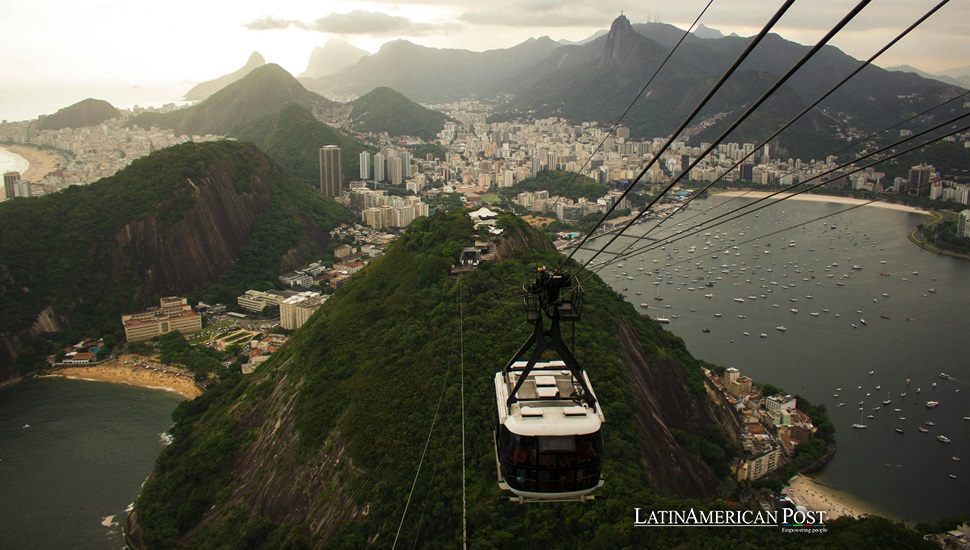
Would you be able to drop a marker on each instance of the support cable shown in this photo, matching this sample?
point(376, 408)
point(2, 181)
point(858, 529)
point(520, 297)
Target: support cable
point(797, 117)
point(717, 86)
point(744, 116)
point(703, 227)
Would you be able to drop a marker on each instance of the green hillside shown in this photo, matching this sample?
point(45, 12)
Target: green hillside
point(320, 447)
point(385, 110)
point(293, 138)
point(265, 90)
point(209, 220)
point(89, 112)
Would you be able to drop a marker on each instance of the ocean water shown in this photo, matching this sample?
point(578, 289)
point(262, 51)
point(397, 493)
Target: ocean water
point(73, 456)
point(910, 333)
point(25, 102)
point(12, 162)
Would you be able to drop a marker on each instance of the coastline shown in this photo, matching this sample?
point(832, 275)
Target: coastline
point(127, 370)
point(39, 163)
point(822, 198)
point(805, 491)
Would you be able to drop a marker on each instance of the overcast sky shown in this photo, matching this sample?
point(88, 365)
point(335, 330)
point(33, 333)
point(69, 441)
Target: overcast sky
point(58, 42)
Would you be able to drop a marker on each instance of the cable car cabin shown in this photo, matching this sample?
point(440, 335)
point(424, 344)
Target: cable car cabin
point(549, 445)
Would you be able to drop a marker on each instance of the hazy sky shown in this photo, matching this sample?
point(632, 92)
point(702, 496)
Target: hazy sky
point(61, 42)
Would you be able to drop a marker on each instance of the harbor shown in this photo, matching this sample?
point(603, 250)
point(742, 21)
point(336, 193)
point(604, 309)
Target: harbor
point(841, 310)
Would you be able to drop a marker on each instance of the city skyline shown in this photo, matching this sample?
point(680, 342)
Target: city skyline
point(84, 44)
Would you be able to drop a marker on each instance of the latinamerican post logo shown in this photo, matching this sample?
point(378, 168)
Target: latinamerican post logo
point(787, 519)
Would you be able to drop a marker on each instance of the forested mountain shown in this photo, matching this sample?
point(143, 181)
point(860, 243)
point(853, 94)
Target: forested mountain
point(293, 138)
point(263, 91)
point(597, 81)
point(209, 220)
point(320, 446)
point(88, 112)
point(386, 110)
point(203, 90)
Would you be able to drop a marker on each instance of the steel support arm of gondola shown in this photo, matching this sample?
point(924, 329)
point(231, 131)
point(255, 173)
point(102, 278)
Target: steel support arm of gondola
point(543, 340)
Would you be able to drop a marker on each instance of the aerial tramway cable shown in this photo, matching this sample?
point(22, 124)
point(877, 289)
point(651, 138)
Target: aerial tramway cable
point(748, 208)
point(637, 98)
point(717, 86)
point(751, 109)
point(807, 109)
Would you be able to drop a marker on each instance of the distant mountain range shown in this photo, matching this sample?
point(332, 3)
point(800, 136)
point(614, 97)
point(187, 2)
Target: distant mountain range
point(332, 57)
point(590, 81)
point(429, 75)
point(597, 81)
point(957, 77)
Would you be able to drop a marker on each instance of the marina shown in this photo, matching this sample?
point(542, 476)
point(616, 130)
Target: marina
point(879, 326)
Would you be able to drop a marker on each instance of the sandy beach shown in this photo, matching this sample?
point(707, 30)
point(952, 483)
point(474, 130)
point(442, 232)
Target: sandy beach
point(119, 372)
point(822, 198)
point(40, 162)
point(807, 492)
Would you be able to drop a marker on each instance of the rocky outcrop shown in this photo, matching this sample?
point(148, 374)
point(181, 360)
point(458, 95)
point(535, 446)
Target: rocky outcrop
point(196, 250)
point(663, 404)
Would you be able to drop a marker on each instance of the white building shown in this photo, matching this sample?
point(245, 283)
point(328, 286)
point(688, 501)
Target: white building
point(295, 310)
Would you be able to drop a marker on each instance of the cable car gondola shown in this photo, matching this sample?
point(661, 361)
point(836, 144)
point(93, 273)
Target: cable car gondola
point(548, 437)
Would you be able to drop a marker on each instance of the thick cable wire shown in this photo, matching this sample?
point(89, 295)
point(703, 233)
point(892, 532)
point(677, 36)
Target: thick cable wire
point(709, 225)
point(797, 117)
point(744, 116)
point(635, 99)
point(717, 86)
point(603, 284)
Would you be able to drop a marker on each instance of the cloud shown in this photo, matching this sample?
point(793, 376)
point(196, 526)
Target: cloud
point(544, 13)
point(270, 23)
point(355, 22)
point(368, 22)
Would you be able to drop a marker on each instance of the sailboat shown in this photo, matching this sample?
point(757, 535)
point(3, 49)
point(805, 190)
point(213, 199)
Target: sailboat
point(860, 425)
point(884, 268)
point(658, 297)
point(888, 400)
point(899, 428)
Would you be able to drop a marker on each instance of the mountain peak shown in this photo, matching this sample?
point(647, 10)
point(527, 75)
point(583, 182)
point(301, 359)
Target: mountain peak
point(621, 23)
point(620, 38)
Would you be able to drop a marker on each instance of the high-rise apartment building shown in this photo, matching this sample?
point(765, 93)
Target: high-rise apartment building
point(919, 180)
point(365, 170)
point(11, 180)
point(379, 167)
point(331, 174)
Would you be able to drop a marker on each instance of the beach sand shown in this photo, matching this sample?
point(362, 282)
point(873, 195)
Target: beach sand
point(807, 492)
point(40, 162)
point(119, 372)
point(821, 198)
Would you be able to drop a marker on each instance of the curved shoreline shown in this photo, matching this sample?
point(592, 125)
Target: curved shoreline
point(822, 198)
point(135, 372)
point(40, 163)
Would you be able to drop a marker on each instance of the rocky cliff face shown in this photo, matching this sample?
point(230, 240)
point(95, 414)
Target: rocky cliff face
point(664, 405)
point(193, 252)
